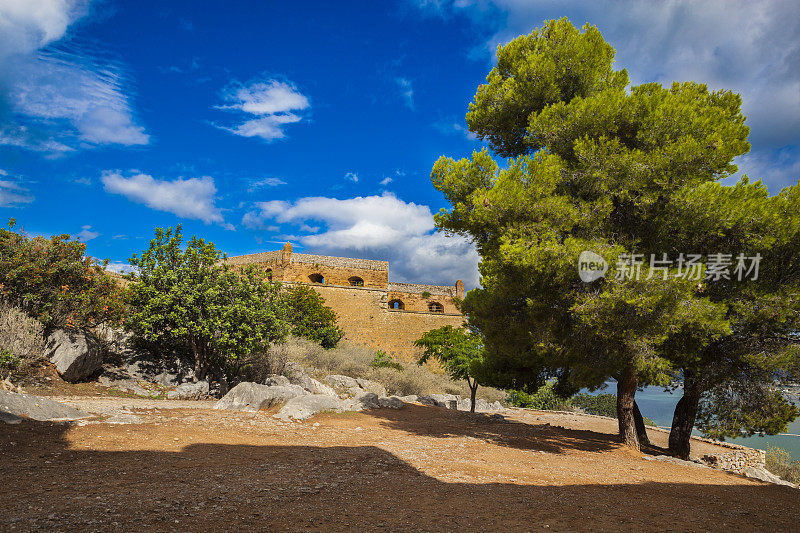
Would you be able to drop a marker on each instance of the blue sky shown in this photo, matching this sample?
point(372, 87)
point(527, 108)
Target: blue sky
point(253, 123)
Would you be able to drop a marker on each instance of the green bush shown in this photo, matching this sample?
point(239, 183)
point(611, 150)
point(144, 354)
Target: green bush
point(54, 281)
point(780, 463)
point(384, 360)
point(8, 364)
point(544, 399)
point(310, 318)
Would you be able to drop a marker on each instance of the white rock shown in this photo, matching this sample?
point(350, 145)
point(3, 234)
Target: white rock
point(249, 396)
point(189, 391)
point(303, 407)
point(75, 355)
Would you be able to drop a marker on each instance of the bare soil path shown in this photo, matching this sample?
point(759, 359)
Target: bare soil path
point(187, 467)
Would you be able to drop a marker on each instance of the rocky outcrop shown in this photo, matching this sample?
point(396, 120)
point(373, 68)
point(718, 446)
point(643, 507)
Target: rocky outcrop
point(451, 401)
point(762, 474)
point(306, 406)
point(249, 396)
point(190, 391)
point(14, 406)
point(355, 386)
point(77, 356)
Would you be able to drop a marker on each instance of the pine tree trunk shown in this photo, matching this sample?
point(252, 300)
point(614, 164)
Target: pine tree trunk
point(473, 389)
point(626, 393)
point(641, 429)
point(684, 417)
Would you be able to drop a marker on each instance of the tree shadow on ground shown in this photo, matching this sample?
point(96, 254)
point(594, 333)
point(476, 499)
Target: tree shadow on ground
point(444, 423)
point(45, 484)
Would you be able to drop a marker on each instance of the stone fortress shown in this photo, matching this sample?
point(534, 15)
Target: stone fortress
point(371, 310)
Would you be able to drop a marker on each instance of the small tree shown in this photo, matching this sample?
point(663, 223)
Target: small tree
point(460, 352)
point(191, 300)
point(310, 318)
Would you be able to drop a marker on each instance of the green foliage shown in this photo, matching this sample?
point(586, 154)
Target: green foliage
point(457, 350)
point(189, 300)
point(616, 170)
point(384, 360)
point(425, 294)
point(780, 463)
point(737, 408)
point(8, 363)
point(544, 399)
point(547, 398)
point(54, 281)
point(553, 64)
point(310, 318)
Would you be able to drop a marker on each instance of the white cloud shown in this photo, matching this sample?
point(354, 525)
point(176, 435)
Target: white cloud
point(192, 198)
point(120, 268)
point(377, 227)
point(13, 194)
point(386, 181)
point(86, 234)
point(453, 127)
point(264, 182)
point(406, 91)
point(274, 104)
point(351, 176)
point(57, 96)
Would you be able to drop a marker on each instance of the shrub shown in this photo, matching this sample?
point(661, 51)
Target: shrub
point(544, 399)
point(54, 281)
point(257, 366)
point(310, 318)
point(384, 360)
point(8, 364)
point(780, 463)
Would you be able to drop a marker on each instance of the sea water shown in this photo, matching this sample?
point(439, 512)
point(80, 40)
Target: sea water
point(659, 405)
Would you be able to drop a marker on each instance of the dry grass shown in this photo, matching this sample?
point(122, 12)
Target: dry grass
point(22, 336)
point(780, 463)
point(356, 361)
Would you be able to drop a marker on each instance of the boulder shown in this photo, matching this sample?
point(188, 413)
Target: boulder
point(337, 381)
point(302, 407)
point(391, 402)
point(124, 382)
point(439, 400)
point(276, 379)
point(320, 388)
point(411, 398)
point(762, 474)
point(76, 355)
point(17, 405)
point(371, 386)
point(249, 396)
point(190, 391)
point(367, 400)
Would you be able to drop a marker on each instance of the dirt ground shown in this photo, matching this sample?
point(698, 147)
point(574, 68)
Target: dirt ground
point(420, 468)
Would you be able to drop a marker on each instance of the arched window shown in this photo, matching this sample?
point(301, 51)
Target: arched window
point(316, 278)
point(355, 281)
point(396, 304)
point(435, 307)
point(269, 274)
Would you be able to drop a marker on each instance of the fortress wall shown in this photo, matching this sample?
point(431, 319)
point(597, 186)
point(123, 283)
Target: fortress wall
point(415, 302)
point(299, 272)
point(366, 320)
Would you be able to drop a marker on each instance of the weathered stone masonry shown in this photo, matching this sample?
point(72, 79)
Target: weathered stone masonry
point(371, 310)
